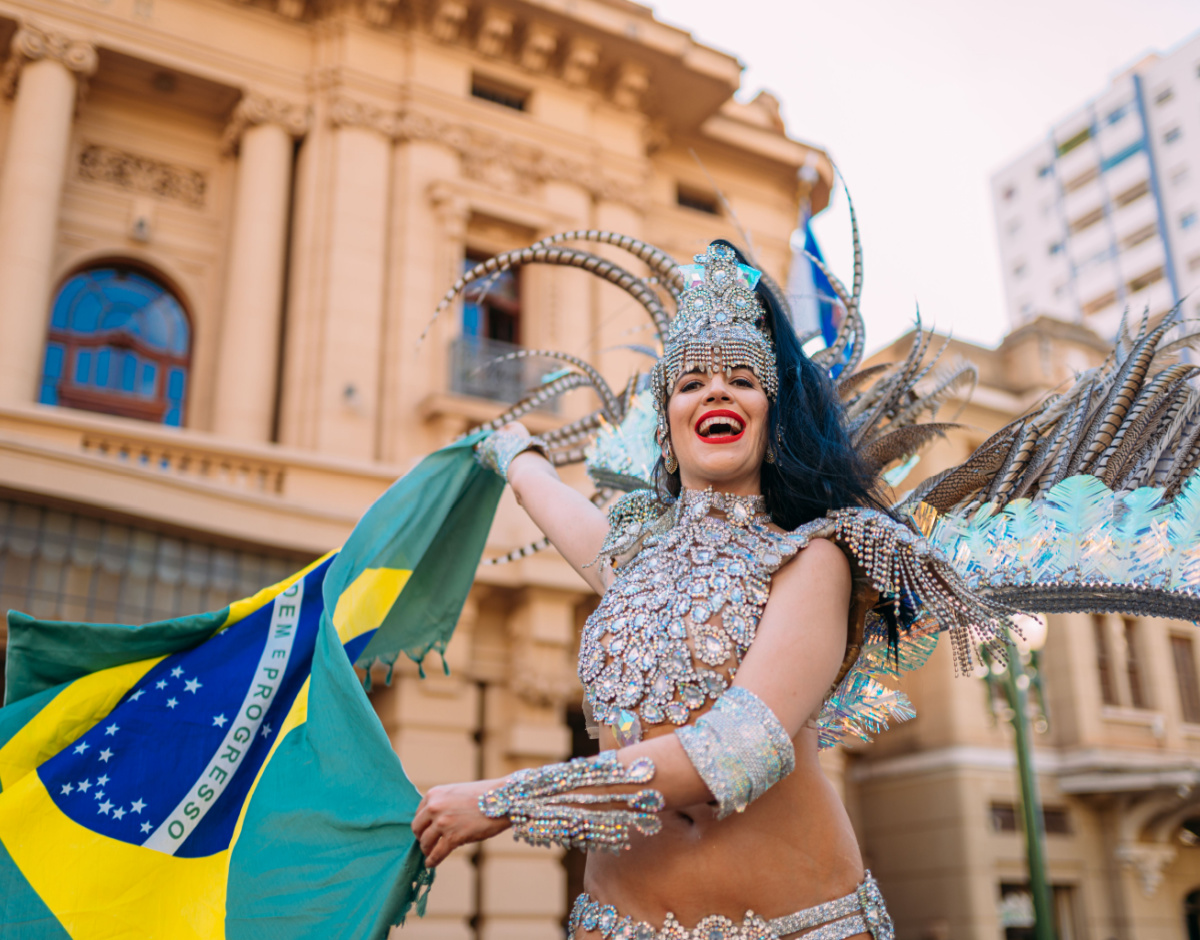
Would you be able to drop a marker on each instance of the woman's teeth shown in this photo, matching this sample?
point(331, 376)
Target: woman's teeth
point(721, 426)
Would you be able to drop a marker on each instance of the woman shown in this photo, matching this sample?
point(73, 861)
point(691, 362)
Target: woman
point(719, 634)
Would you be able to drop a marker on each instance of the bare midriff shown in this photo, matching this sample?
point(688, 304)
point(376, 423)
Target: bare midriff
point(791, 849)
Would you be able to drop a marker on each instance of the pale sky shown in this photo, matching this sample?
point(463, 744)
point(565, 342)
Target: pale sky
point(919, 102)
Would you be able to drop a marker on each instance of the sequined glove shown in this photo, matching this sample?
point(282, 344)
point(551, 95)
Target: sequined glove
point(544, 809)
point(497, 450)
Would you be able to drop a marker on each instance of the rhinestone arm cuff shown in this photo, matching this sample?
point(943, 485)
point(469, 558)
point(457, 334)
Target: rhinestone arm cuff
point(740, 749)
point(497, 450)
point(544, 809)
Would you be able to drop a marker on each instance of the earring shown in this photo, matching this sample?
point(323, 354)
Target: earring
point(770, 455)
point(668, 456)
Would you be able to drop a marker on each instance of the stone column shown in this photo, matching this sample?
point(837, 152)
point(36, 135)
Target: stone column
point(262, 132)
point(44, 71)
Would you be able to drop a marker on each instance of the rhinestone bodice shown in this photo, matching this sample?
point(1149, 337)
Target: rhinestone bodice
point(700, 577)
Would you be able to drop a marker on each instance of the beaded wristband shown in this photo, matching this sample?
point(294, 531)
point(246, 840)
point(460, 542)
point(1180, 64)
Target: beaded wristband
point(543, 809)
point(497, 450)
point(740, 749)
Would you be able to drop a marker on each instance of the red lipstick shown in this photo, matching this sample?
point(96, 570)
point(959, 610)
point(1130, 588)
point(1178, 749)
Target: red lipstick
point(723, 438)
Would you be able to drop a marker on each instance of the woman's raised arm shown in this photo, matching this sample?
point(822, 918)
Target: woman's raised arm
point(572, 523)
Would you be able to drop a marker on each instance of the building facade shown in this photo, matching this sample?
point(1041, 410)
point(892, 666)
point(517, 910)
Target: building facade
point(1102, 214)
point(936, 800)
point(224, 229)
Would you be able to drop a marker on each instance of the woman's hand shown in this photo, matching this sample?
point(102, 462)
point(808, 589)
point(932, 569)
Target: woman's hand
point(449, 816)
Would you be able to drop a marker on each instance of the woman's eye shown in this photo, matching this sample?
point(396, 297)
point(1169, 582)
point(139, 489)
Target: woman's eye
point(690, 386)
point(744, 383)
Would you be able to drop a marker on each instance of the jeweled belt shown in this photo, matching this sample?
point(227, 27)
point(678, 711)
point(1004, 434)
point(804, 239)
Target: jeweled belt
point(863, 911)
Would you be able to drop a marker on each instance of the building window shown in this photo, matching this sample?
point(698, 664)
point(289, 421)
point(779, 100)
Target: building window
point(1179, 176)
point(696, 199)
point(1108, 688)
point(1188, 219)
point(508, 96)
point(1019, 270)
point(1122, 155)
point(1086, 221)
point(491, 306)
point(119, 343)
point(1193, 264)
point(1072, 142)
point(1172, 135)
point(1132, 194)
point(1133, 666)
point(1081, 180)
point(1141, 235)
point(1056, 248)
point(1145, 280)
point(1164, 96)
point(1045, 170)
point(1100, 303)
point(1116, 114)
point(1184, 655)
point(1055, 819)
point(1191, 904)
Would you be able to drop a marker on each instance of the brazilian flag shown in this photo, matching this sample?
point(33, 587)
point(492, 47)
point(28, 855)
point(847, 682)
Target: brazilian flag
point(223, 775)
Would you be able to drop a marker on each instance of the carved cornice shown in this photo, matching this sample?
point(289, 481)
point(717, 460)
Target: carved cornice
point(347, 112)
point(33, 43)
point(255, 109)
point(143, 175)
point(1147, 862)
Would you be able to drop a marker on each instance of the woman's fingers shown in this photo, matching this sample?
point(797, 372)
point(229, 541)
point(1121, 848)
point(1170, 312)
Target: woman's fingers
point(429, 838)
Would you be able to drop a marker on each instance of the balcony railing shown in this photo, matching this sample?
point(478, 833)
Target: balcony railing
point(479, 367)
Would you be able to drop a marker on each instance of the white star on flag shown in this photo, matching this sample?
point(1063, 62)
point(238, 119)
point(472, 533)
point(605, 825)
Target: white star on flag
point(118, 813)
point(66, 789)
point(137, 695)
point(161, 684)
point(192, 685)
point(104, 807)
point(177, 672)
point(136, 806)
point(106, 755)
point(111, 730)
point(266, 731)
point(99, 794)
point(146, 827)
point(102, 781)
point(81, 747)
point(84, 784)
point(171, 703)
point(219, 720)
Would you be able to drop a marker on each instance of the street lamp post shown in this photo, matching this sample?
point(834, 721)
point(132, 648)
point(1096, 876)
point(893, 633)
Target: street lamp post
point(1015, 680)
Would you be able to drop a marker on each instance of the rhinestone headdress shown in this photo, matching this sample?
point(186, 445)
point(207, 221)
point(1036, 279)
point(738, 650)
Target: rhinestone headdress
point(720, 325)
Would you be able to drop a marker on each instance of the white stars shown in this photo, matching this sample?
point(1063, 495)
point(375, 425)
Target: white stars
point(99, 794)
point(118, 813)
point(266, 731)
point(66, 789)
point(192, 685)
point(161, 684)
point(137, 806)
point(171, 703)
point(106, 755)
point(137, 695)
point(219, 720)
point(146, 827)
point(105, 807)
point(81, 747)
point(176, 672)
point(111, 730)
point(102, 781)
point(83, 785)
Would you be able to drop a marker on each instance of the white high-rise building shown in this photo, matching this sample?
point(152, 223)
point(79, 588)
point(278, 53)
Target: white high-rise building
point(1104, 214)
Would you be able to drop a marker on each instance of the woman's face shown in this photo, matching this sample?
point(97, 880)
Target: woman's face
point(719, 430)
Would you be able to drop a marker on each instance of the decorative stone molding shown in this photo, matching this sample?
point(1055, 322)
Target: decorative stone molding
point(256, 109)
point(539, 45)
point(1148, 861)
point(142, 175)
point(630, 85)
point(452, 209)
point(32, 44)
point(495, 30)
point(292, 9)
point(581, 60)
point(448, 19)
point(379, 12)
point(346, 112)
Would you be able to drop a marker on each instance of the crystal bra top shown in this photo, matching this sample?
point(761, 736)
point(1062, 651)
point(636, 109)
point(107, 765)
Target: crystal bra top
point(699, 577)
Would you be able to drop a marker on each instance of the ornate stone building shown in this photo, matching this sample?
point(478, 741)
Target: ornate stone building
point(224, 229)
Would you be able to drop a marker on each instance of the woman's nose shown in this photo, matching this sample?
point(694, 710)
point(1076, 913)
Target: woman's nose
point(717, 390)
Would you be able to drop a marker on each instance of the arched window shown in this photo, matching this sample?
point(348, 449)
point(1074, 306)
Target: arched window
point(119, 343)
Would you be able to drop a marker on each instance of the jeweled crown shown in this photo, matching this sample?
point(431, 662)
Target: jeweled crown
point(720, 324)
